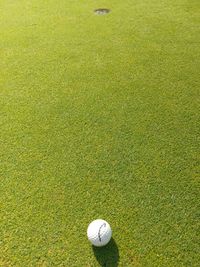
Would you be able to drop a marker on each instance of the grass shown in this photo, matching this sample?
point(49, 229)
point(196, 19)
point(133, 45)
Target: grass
point(99, 119)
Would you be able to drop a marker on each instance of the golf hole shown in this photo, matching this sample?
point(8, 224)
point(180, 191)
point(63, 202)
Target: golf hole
point(101, 11)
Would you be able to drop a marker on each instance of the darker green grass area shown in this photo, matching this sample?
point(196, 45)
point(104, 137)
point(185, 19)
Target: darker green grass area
point(99, 118)
point(108, 255)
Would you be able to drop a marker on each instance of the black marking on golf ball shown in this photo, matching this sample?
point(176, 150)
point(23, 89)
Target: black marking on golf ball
point(99, 233)
point(101, 11)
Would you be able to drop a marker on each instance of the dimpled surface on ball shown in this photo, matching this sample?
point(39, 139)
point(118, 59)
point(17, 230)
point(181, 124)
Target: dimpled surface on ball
point(99, 232)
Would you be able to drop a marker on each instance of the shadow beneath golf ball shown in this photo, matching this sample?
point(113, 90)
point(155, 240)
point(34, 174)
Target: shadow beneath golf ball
point(107, 256)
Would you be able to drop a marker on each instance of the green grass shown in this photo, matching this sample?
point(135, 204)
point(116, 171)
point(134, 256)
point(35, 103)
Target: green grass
point(99, 119)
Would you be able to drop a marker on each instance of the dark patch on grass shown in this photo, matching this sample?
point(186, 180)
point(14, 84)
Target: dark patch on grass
point(107, 256)
point(101, 11)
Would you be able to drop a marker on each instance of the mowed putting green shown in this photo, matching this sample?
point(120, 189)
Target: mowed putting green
point(99, 119)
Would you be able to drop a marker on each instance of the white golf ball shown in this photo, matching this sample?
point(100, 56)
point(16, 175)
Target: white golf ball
point(99, 233)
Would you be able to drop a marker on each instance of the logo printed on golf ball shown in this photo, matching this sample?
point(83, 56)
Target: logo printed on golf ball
point(99, 233)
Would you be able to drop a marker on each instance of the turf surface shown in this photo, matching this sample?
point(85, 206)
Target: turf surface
point(99, 119)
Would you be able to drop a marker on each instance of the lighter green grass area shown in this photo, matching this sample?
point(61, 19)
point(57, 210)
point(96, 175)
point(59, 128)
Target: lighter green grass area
point(99, 118)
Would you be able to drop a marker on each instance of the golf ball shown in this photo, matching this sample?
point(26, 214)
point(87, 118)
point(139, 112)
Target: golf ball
point(99, 232)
